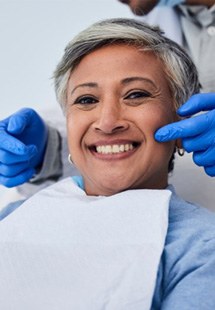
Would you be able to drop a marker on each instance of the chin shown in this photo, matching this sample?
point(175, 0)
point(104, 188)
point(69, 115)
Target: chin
point(113, 190)
point(108, 187)
point(141, 11)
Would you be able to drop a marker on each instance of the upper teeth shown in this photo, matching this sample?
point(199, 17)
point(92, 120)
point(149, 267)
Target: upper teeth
point(113, 149)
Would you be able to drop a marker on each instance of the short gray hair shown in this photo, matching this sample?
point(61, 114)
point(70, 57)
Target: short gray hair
point(181, 71)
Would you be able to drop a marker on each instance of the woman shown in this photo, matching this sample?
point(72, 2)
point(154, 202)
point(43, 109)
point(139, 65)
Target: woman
point(118, 81)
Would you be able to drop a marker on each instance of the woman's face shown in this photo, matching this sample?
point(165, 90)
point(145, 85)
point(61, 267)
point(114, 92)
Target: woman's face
point(117, 97)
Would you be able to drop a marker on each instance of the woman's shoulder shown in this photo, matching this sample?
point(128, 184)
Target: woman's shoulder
point(187, 267)
point(195, 221)
point(190, 238)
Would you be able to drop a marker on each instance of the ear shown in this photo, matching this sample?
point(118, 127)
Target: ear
point(178, 144)
point(179, 147)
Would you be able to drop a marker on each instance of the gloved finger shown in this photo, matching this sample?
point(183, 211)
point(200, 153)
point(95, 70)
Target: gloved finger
point(13, 145)
point(189, 127)
point(200, 143)
point(13, 170)
point(206, 158)
point(197, 103)
point(9, 158)
point(21, 178)
point(20, 120)
point(210, 170)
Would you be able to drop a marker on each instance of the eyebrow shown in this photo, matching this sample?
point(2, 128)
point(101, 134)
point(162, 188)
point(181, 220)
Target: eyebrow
point(124, 82)
point(137, 78)
point(90, 84)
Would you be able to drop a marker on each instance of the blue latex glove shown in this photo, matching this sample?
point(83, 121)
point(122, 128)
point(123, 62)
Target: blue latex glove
point(197, 133)
point(23, 138)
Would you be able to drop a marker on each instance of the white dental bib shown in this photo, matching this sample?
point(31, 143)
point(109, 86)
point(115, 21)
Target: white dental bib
point(65, 250)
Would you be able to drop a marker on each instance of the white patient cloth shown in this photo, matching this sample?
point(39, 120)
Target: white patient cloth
point(64, 250)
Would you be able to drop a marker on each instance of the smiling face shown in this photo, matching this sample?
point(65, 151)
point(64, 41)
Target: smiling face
point(117, 97)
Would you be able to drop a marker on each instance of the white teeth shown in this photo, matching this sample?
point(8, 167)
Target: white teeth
point(114, 149)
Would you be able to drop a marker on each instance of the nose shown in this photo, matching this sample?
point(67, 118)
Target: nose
point(110, 119)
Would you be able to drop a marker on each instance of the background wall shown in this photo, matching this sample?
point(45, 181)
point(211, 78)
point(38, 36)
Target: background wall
point(33, 34)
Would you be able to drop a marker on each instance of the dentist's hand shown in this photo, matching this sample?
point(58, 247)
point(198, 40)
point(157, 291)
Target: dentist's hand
point(23, 138)
point(197, 133)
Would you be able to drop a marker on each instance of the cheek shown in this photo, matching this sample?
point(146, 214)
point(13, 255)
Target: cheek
point(160, 118)
point(73, 131)
point(77, 126)
point(152, 118)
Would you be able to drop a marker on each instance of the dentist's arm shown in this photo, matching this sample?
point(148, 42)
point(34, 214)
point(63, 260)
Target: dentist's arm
point(23, 139)
point(197, 133)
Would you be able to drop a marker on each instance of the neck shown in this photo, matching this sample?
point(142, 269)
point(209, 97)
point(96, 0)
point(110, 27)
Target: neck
point(207, 3)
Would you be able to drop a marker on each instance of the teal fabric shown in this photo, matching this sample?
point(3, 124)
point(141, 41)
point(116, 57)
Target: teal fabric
point(79, 181)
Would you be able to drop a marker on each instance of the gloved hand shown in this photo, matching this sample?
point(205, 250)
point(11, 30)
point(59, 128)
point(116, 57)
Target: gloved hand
point(197, 133)
point(23, 138)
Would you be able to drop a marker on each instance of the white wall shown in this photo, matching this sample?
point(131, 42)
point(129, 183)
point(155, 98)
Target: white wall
point(33, 34)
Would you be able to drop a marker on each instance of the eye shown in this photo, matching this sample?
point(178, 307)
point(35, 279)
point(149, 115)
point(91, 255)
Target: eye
point(138, 95)
point(86, 100)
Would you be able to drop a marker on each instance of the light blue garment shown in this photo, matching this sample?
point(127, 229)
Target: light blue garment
point(170, 2)
point(186, 275)
point(11, 207)
point(79, 181)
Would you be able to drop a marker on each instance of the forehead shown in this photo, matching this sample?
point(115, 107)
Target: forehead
point(119, 59)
